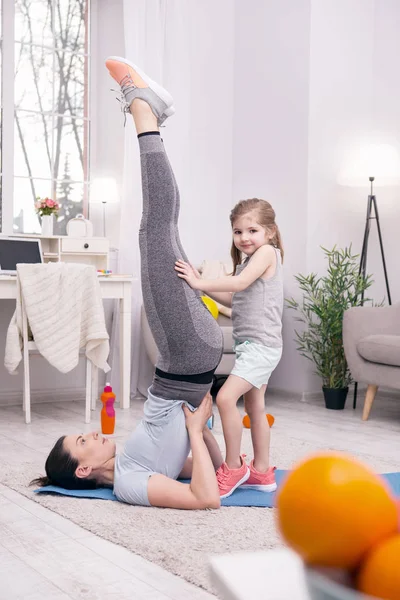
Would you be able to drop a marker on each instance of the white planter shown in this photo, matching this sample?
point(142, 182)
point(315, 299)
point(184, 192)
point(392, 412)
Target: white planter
point(47, 225)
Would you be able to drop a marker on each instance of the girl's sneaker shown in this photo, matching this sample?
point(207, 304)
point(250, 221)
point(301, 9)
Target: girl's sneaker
point(264, 482)
point(136, 84)
point(230, 479)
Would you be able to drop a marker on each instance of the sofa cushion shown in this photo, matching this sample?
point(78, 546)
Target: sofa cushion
point(383, 349)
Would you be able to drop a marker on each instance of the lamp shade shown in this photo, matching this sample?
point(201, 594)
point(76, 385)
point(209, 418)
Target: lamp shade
point(381, 161)
point(104, 189)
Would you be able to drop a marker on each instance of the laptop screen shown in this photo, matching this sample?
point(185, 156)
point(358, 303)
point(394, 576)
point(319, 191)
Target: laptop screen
point(14, 251)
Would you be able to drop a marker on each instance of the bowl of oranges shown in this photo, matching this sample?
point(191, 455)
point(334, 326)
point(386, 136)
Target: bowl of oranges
point(343, 520)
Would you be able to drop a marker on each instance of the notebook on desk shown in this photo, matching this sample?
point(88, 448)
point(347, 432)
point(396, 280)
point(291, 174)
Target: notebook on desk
point(18, 250)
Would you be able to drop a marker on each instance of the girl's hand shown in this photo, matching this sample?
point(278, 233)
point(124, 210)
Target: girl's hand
point(194, 270)
point(187, 272)
point(197, 420)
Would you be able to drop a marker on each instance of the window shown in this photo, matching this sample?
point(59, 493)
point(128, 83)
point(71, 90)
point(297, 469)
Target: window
point(50, 137)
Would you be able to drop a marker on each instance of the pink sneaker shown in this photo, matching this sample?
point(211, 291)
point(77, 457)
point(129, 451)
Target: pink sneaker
point(264, 482)
point(230, 479)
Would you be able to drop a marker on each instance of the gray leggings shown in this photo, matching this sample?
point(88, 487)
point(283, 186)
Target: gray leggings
point(188, 338)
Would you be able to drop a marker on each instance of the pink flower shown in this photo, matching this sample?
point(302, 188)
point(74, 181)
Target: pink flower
point(46, 206)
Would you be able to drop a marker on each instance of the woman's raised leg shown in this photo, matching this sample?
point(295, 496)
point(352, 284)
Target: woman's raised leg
point(188, 338)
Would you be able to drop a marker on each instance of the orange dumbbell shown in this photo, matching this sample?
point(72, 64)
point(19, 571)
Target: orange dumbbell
point(246, 420)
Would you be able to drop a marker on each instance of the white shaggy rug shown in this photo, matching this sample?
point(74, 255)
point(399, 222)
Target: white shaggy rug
point(182, 541)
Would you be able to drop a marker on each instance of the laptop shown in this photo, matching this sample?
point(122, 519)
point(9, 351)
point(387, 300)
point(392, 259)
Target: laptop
point(18, 250)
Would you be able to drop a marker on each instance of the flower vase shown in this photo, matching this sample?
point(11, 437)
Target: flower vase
point(47, 225)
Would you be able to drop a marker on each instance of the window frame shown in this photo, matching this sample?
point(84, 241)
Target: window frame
point(8, 110)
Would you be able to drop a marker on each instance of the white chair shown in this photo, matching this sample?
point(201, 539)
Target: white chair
point(91, 374)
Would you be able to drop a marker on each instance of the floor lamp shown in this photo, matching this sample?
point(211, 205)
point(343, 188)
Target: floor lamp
point(372, 214)
point(104, 190)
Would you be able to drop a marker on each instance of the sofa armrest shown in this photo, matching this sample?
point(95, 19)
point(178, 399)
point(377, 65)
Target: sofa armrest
point(360, 322)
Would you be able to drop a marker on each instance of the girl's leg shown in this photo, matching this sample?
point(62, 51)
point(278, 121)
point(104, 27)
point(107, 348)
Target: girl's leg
point(214, 451)
point(213, 448)
point(254, 403)
point(227, 398)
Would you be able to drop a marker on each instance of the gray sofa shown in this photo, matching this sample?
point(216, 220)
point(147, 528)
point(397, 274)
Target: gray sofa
point(371, 339)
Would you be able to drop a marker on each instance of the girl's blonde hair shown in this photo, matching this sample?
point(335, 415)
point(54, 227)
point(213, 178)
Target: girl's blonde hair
point(265, 217)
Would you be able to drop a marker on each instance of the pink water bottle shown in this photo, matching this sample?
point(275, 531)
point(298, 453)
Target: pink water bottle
point(108, 412)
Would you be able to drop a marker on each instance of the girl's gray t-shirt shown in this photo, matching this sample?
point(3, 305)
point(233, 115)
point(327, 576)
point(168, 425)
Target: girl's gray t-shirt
point(257, 310)
point(158, 445)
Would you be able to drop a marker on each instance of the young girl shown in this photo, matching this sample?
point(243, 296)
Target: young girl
point(255, 293)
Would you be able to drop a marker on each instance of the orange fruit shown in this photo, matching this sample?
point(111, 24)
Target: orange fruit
point(246, 420)
point(379, 574)
point(332, 509)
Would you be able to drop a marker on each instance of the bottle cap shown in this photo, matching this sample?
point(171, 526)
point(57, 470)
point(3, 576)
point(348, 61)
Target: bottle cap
point(108, 388)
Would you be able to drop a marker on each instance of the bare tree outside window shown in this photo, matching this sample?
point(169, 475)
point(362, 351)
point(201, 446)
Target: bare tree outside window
point(51, 131)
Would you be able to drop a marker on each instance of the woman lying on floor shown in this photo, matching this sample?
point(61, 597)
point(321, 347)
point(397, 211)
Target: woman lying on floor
point(188, 338)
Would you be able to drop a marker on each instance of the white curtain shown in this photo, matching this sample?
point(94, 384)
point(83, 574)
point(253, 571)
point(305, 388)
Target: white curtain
point(188, 48)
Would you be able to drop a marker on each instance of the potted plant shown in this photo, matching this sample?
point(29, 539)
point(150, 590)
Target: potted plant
point(324, 301)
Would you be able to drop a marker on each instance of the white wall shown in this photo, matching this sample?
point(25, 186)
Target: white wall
point(107, 133)
point(354, 97)
point(271, 135)
point(199, 138)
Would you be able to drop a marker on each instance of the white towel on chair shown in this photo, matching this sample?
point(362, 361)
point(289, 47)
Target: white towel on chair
point(65, 313)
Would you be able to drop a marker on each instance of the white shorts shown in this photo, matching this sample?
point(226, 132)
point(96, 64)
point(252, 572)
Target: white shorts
point(254, 362)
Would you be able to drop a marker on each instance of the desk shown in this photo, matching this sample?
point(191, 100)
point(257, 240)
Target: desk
point(117, 287)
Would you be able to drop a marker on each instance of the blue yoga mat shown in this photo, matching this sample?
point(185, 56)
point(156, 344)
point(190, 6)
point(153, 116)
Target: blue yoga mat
point(240, 497)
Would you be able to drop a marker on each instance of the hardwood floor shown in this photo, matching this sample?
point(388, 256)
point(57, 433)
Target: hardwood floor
point(44, 556)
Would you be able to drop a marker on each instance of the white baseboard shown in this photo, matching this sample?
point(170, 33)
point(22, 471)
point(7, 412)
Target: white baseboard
point(361, 390)
point(311, 396)
point(284, 394)
point(14, 397)
point(385, 393)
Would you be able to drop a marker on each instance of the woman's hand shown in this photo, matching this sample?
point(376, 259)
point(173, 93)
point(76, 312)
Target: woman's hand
point(187, 272)
point(197, 420)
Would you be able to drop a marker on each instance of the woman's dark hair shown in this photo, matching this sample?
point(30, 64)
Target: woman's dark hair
point(60, 470)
